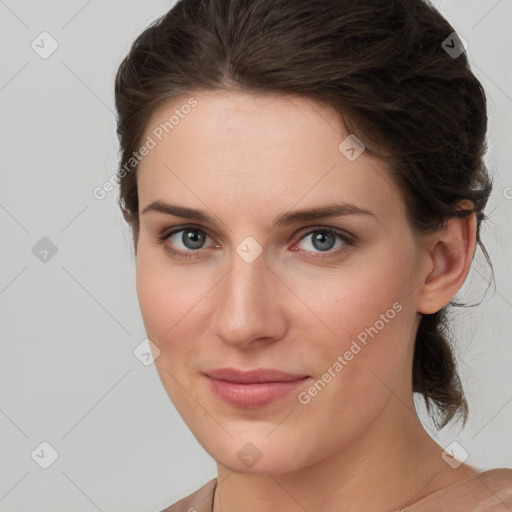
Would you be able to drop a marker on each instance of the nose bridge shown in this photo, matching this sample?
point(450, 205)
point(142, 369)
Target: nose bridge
point(247, 308)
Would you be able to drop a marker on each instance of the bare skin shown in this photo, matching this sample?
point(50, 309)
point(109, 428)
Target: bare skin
point(244, 159)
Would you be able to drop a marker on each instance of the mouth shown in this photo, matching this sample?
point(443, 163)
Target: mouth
point(252, 389)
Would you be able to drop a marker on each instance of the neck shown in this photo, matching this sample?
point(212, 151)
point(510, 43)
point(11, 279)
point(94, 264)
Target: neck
point(389, 466)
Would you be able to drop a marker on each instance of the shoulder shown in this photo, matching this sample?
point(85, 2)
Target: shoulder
point(199, 501)
point(498, 483)
point(490, 491)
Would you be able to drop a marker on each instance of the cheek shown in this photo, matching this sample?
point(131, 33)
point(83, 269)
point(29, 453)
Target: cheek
point(368, 331)
point(168, 296)
point(370, 315)
point(369, 355)
point(350, 300)
point(172, 302)
point(169, 301)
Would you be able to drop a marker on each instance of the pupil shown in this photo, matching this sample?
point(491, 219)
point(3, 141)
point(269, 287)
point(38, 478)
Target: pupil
point(193, 239)
point(321, 239)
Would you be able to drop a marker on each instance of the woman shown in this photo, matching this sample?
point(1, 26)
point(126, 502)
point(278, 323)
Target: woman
point(305, 184)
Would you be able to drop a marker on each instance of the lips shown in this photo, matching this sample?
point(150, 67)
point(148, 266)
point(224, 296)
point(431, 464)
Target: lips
point(253, 376)
point(251, 389)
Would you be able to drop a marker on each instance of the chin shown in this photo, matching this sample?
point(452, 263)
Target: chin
point(260, 453)
point(274, 461)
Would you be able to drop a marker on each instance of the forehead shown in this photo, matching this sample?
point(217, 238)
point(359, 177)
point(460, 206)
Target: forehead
point(254, 151)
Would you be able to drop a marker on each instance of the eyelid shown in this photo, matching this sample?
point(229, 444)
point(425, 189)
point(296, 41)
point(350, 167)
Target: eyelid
point(167, 233)
point(338, 231)
point(345, 236)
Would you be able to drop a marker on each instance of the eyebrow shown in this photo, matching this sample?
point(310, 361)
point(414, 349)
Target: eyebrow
point(320, 212)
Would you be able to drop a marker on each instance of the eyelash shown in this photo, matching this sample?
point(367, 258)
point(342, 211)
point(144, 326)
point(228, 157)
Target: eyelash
point(348, 241)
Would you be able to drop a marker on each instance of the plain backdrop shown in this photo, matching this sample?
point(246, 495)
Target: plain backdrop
point(70, 319)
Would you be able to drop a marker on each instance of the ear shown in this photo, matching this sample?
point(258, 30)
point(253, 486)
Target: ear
point(448, 253)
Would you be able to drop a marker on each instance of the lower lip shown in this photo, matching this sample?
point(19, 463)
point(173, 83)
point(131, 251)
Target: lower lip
point(252, 396)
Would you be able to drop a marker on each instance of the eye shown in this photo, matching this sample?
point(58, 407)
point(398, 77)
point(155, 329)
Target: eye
point(323, 240)
point(188, 240)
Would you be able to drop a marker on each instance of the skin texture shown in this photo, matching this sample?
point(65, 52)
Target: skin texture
point(246, 158)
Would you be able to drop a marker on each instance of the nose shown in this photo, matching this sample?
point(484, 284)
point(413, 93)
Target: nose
point(250, 309)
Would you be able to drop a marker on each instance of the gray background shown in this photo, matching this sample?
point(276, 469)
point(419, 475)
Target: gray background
point(69, 325)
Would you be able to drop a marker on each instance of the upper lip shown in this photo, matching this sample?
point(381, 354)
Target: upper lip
point(253, 376)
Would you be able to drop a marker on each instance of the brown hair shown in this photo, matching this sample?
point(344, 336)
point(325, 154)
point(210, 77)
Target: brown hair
point(381, 64)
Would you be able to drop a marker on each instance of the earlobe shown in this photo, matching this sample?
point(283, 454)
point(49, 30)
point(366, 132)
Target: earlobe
point(450, 252)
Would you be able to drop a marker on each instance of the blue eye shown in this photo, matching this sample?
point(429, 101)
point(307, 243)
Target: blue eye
point(192, 240)
point(324, 239)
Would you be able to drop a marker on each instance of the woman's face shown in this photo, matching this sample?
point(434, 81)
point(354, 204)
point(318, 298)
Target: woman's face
point(255, 285)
